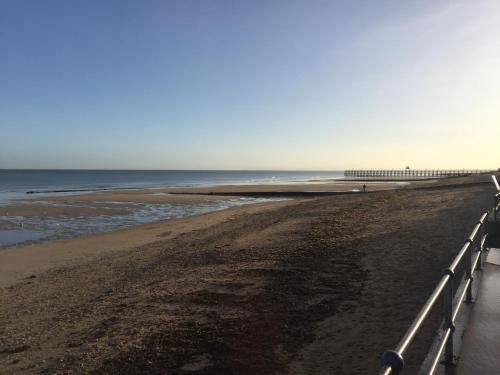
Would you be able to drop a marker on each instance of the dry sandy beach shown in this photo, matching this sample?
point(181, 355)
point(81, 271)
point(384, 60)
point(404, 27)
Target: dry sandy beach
point(305, 286)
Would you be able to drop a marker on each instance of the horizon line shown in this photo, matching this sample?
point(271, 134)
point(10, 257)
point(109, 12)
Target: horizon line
point(236, 170)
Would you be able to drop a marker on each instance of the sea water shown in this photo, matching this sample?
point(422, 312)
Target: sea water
point(22, 181)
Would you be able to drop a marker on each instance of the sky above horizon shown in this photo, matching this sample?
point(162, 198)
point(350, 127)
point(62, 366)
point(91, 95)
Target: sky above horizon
point(249, 84)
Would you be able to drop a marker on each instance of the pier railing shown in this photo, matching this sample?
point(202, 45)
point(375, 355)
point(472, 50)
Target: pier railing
point(470, 256)
point(410, 173)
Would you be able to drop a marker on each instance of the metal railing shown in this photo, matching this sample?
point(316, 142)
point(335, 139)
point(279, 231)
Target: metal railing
point(496, 206)
point(471, 256)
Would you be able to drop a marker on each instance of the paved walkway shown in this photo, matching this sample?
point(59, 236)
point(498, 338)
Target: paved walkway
point(480, 354)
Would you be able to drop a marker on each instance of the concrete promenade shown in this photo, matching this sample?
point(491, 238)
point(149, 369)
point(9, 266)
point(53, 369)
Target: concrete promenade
point(480, 352)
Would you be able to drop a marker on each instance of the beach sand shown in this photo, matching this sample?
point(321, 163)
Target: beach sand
point(22, 262)
point(194, 195)
point(120, 202)
point(333, 186)
point(305, 286)
point(191, 195)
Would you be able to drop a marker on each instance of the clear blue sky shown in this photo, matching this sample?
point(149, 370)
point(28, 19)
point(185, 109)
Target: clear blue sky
point(249, 84)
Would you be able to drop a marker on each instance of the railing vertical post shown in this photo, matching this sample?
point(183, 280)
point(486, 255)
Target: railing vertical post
point(469, 270)
point(480, 246)
point(448, 318)
point(495, 210)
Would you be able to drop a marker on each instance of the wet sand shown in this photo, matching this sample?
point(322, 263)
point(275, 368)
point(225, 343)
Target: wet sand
point(34, 209)
point(19, 263)
point(192, 195)
point(6, 224)
point(302, 287)
point(118, 202)
point(333, 186)
point(154, 196)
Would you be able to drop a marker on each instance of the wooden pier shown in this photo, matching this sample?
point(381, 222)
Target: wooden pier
point(410, 173)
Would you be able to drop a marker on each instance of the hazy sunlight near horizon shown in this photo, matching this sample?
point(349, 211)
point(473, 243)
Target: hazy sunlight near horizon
point(249, 84)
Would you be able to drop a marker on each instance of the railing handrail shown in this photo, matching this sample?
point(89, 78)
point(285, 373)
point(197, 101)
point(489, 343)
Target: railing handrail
point(392, 360)
point(408, 337)
point(496, 207)
point(494, 178)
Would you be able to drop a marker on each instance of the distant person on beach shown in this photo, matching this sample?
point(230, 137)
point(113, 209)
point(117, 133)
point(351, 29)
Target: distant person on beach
point(364, 188)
